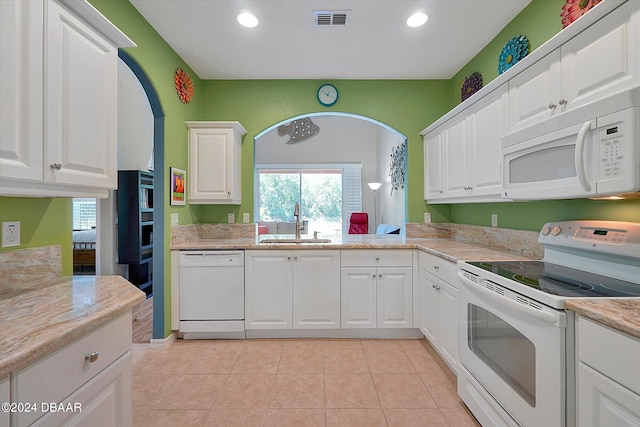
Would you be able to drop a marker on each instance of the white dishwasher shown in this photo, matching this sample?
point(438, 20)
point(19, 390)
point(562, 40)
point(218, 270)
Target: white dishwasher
point(212, 294)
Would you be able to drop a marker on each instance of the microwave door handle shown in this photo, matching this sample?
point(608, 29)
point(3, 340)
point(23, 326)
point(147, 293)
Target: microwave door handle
point(579, 156)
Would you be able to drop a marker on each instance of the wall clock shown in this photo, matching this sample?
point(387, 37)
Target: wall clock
point(327, 95)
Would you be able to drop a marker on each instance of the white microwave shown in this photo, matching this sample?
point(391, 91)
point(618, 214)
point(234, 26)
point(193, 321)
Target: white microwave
point(593, 158)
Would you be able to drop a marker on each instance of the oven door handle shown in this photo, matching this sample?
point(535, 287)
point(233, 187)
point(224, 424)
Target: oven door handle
point(544, 316)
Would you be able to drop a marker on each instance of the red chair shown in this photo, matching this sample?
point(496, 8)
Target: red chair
point(359, 223)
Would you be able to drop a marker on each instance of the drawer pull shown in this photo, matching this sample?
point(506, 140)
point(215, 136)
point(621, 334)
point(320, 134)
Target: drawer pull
point(436, 267)
point(91, 357)
point(56, 166)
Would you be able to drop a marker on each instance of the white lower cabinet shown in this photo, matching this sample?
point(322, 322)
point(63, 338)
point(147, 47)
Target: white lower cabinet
point(438, 306)
point(292, 289)
point(4, 398)
point(86, 383)
point(377, 289)
point(608, 376)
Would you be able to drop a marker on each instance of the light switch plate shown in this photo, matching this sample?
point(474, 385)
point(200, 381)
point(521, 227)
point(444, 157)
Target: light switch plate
point(245, 217)
point(231, 218)
point(427, 217)
point(494, 220)
point(10, 234)
point(175, 219)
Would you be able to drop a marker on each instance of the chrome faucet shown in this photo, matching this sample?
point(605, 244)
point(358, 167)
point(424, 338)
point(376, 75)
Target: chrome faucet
point(296, 213)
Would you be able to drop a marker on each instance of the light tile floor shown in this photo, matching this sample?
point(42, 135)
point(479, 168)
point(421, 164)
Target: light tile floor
point(295, 383)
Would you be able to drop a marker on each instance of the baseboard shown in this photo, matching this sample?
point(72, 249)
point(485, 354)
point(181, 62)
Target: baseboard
point(162, 343)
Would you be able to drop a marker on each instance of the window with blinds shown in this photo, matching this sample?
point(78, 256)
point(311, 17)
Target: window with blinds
point(327, 195)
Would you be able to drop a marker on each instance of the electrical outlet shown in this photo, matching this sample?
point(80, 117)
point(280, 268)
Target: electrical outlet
point(175, 219)
point(231, 218)
point(427, 217)
point(10, 234)
point(245, 217)
point(494, 220)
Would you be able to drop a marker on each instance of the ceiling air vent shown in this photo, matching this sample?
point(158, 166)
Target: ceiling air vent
point(331, 18)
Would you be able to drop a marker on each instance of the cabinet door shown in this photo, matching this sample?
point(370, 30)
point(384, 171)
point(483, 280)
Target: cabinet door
point(268, 289)
point(488, 123)
point(358, 297)
point(211, 154)
point(428, 316)
point(4, 398)
point(21, 38)
point(448, 322)
point(456, 158)
point(433, 165)
point(603, 60)
point(534, 93)
point(316, 289)
point(395, 297)
point(603, 402)
point(80, 103)
point(106, 400)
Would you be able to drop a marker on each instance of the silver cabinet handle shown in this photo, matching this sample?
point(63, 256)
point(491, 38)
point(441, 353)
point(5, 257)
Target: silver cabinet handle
point(380, 275)
point(295, 257)
point(563, 101)
point(56, 166)
point(91, 357)
point(436, 267)
point(377, 258)
point(373, 275)
point(289, 258)
point(552, 106)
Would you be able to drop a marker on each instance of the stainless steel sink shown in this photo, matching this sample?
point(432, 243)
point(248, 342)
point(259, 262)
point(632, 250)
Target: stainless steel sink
point(295, 241)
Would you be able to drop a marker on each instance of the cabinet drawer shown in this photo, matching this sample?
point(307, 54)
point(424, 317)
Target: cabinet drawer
point(439, 267)
point(55, 377)
point(612, 353)
point(377, 258)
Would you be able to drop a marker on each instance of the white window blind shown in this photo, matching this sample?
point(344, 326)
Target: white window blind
point(351, 194)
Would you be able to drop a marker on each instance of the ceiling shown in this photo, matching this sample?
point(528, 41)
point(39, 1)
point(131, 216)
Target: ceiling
point(376, 43)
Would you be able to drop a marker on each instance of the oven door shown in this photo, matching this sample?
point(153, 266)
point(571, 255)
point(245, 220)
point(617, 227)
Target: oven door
point(515, 349)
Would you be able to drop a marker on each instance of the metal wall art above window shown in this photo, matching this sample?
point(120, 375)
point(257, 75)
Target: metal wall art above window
point(299, 130)
point(397, 168)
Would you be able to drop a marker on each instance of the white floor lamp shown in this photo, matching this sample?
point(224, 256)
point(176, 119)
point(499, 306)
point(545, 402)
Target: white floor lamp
point(375, 186)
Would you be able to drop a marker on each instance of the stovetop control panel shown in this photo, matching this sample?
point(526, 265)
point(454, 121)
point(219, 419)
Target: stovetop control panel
point(611, 237)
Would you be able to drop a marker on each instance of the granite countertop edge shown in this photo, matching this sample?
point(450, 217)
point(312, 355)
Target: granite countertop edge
point(39, 321)
point(621, 314)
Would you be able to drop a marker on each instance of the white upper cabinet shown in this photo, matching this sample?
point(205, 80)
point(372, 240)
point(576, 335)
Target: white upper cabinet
point(594, 58)
point(58, 138)
point(462, 158)
point(599, 62)
point(215, 150)
point(21, 43)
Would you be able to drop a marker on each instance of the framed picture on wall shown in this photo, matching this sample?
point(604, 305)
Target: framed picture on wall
point(178, 184)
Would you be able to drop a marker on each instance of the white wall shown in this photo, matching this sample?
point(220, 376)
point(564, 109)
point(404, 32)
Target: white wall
point(135, 122)
point(391, 207)
point(135, 147)
point(343, 139)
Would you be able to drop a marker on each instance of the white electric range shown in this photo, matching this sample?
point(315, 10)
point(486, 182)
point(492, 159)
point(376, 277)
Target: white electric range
point(516, 341)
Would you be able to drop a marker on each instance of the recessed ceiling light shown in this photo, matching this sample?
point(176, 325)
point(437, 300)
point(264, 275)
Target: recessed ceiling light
point(417, 19)
point(247, 19)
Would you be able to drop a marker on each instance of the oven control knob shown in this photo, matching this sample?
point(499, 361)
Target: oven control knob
point(556, 230)
point(545, 230)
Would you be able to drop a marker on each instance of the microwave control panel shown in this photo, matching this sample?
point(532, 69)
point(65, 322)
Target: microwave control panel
point(611, 151)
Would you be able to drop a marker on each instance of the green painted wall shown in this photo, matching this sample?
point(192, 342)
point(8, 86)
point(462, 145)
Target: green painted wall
point(405, 105)
point(539, 21)
point(43, 222)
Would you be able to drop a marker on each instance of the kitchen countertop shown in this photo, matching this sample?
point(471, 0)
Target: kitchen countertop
point(37, 321)
point(620, 314)
point(449, 249)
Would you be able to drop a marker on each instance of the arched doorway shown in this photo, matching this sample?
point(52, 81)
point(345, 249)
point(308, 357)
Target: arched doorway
point(158, 181)
point(337, 139)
